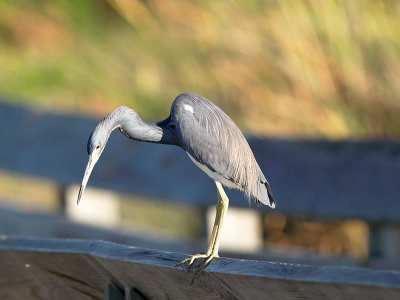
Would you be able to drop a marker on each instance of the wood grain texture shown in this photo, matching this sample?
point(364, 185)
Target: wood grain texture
point(38, 268)
point(314, 178)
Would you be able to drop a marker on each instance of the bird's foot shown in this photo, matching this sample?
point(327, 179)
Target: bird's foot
point(191, 260)
point(205, 261)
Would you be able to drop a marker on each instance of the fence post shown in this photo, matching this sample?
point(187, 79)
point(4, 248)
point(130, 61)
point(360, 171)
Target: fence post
point(384, 242)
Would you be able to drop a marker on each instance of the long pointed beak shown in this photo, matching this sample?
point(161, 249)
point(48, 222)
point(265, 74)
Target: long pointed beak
point(89, 167)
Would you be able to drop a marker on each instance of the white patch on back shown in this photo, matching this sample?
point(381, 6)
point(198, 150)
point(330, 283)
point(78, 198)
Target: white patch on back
point(214, 176)
point(188, 107)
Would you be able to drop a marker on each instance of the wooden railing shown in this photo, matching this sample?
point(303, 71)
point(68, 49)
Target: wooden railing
point(37, 268)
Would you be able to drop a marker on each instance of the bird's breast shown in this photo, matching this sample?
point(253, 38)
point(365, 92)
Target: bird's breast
point(213, 175)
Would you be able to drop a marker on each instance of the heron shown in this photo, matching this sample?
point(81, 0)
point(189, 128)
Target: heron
point(211, 140)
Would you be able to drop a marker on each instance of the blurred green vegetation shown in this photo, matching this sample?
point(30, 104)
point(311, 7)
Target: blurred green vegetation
point(309, 68)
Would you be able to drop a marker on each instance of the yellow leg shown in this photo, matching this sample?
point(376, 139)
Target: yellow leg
point(212, 251)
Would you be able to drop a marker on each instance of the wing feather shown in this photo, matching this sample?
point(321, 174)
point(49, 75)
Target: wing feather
point(214, 140)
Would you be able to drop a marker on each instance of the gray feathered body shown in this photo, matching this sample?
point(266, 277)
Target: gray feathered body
point(205, 132)
point(214, 141)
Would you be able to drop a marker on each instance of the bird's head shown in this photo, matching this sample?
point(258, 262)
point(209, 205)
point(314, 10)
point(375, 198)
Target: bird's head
point(95, 146)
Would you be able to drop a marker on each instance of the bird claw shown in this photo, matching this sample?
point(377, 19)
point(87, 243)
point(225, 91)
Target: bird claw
point(205, 261)
point(191, 260)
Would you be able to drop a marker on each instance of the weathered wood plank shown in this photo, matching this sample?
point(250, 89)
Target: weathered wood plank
point(314, 178)
point(67, 269)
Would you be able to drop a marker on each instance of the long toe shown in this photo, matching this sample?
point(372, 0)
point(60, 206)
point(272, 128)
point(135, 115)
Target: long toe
point(201, 266)
point(191, 260)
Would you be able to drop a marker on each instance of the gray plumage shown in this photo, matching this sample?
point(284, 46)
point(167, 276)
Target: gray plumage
point(212, 141)
point(205, 132)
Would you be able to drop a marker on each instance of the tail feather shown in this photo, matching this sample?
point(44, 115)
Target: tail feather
point(270, 195)
point(265, 195)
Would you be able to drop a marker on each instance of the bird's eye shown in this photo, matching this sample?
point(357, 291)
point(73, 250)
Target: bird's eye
point(98, 146)
point(171, 125)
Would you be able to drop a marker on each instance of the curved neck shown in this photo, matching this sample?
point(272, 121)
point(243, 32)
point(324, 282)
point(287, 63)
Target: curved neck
point(130, 124)
point(142, 131)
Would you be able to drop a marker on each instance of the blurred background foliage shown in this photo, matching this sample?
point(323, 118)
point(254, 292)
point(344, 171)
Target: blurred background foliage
point(283, 68)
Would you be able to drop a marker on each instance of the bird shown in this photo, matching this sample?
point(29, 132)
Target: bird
point(211, 140)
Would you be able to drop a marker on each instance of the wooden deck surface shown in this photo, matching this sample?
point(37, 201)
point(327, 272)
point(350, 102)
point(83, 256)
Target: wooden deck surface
point(38, 268)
